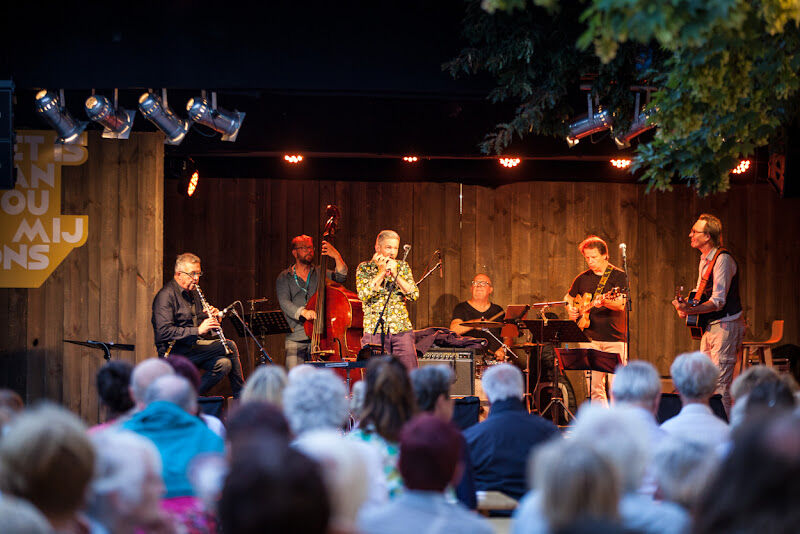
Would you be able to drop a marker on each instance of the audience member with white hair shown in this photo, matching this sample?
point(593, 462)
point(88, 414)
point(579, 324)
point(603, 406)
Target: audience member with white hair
point(126, 490)
point(619, 436)
point(315, 400)
point(144, 374)
point(47, 459)
point(265, 384)
point(499, 446)
point(682, 470)
point(344, 472)
point(18, 516)
point(695, 377)
point(570, 481)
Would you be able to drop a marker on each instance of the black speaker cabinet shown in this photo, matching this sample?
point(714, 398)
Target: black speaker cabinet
point(461, 361)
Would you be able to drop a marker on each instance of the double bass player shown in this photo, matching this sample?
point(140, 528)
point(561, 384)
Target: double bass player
point(295, 286)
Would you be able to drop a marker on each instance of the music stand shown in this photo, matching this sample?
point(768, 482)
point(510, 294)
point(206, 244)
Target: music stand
point(264, 323)
point(346, 365)
point(588, 360)
point(556, 331)
point(105, 346)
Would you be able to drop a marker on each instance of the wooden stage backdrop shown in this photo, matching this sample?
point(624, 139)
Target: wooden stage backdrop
point(523, 235)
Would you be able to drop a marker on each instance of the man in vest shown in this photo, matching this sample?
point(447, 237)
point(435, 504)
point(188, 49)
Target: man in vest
point(722, 337)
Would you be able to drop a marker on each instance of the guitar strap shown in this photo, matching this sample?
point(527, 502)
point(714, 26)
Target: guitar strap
point(707, 274)
point(602, 284)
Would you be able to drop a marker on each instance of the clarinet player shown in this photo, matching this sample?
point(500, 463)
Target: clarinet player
point(181, 326)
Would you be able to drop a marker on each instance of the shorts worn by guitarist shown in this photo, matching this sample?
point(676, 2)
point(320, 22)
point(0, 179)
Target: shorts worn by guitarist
point(719, 311)
point(606, 316)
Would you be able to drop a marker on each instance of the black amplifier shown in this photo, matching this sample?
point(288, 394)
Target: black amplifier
point(461, 361)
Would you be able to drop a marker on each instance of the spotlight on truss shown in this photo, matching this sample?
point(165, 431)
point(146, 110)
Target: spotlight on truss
point(225, 122)
point(596, 120)
point(742, 167)
point(117, 122)
point(49, 106)
point(642, 123)
point(621, 163)
point(164, 119)
point(508, 163)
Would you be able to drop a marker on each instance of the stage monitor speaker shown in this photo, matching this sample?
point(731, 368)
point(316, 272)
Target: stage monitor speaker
point(671, 404)
point(461, 361)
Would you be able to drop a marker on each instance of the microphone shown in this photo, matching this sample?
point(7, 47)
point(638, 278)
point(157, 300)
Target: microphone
point(226, 311)
point(623, 248)
point(406, 250)
point(441, 263)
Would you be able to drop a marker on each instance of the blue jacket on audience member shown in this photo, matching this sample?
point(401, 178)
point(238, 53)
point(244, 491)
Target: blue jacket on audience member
point(179, 437)
point(499, 446)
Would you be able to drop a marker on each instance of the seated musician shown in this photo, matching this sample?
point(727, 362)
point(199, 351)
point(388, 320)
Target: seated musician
point(295, 286)
point(480, 307)
point(179, 323)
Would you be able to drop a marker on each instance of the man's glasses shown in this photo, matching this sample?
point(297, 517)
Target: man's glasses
point(481, 283)
point(192, 275)
point(304, 247)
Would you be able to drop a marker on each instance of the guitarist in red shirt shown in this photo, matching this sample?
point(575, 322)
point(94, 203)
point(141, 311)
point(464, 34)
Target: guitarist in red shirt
point(715, 306)
point(599, 310)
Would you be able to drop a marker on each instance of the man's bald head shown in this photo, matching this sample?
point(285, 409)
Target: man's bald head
point(144, 374)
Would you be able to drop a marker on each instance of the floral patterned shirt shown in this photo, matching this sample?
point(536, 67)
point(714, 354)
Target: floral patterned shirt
point(396, 316)
point(389, 454)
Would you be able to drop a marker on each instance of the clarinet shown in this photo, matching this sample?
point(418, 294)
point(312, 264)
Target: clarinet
point(217, 330)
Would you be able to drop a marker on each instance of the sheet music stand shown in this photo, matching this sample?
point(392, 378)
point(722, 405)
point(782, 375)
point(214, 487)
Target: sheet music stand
point(105, 346)
point(555, 331)
point(588, 360)
point(346, 365)
point(264, 323)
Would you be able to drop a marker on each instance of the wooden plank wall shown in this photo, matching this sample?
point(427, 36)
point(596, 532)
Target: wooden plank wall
point(103, 290)
point(523, 235)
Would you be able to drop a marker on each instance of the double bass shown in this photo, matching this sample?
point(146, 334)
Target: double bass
point(336, 332)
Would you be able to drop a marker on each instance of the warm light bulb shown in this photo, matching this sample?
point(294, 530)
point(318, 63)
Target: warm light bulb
point(193, 183)
point(293, 158)
point(621, 163)
point(410, 159)
point(509, 162)
point(742, 167)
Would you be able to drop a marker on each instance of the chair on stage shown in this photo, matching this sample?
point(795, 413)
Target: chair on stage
point(760, 352)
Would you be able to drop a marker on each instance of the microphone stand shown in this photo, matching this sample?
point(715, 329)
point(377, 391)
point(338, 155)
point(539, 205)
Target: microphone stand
point(264, 355)
point(391, 286)
point(429, 272)
point(628, 307)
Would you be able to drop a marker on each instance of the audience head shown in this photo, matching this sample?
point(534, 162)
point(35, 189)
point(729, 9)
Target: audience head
point(113, 381)
point(256, 417)
point(184, 367)
point(756, 486)
point(174, 389)
point(682, 470)
point(575, 481)
point(18, 516)
point(343, 470)
point(389, 400)
point(750, 377)
point(430, 450)
point(357, 398)
point(47, 459)
point(503, 381)
point(127, 485)
point(617, 434)
point(695, 376)
point(265, 384)
point(770, 396)
point(272, 487)
point(315, 401)
point(638, 384)
point(144, 374)
point(431, 386)
point(10, 405)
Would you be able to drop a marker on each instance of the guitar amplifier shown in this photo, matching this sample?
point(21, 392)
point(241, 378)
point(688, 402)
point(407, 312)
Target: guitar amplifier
point(462, 363)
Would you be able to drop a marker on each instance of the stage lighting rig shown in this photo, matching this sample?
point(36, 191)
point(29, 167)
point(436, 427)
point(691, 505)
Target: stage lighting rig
point(116, 121)
point(596, 120)
point(50, 107)
point(220, 120)
point(164, 119)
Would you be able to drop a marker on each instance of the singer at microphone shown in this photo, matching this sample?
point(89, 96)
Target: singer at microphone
point(384, 284)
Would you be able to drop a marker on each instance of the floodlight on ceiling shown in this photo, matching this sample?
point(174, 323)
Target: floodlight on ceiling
point(117, 122)
point(596, 120)
point(220, 120)
point(164, 119)
point(50, 107)
point(642, 121)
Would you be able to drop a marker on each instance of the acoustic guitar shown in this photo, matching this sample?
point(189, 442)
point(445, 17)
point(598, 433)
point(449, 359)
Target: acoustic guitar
point(584, 304)
point(697, 323)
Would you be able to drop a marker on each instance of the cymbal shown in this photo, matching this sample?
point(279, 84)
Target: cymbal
point(482, 324)
point(524, 346)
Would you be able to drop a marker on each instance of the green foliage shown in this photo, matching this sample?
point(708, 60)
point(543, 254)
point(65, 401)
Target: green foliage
point(727, 73)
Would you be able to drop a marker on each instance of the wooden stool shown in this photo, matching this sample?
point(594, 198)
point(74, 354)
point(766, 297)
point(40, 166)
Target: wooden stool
point(760, 352)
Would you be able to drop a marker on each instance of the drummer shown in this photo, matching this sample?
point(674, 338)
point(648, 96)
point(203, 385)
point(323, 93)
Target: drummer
point(479, 307)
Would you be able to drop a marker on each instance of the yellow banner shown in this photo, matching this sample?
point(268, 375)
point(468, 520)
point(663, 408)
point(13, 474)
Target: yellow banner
point(34, 236)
